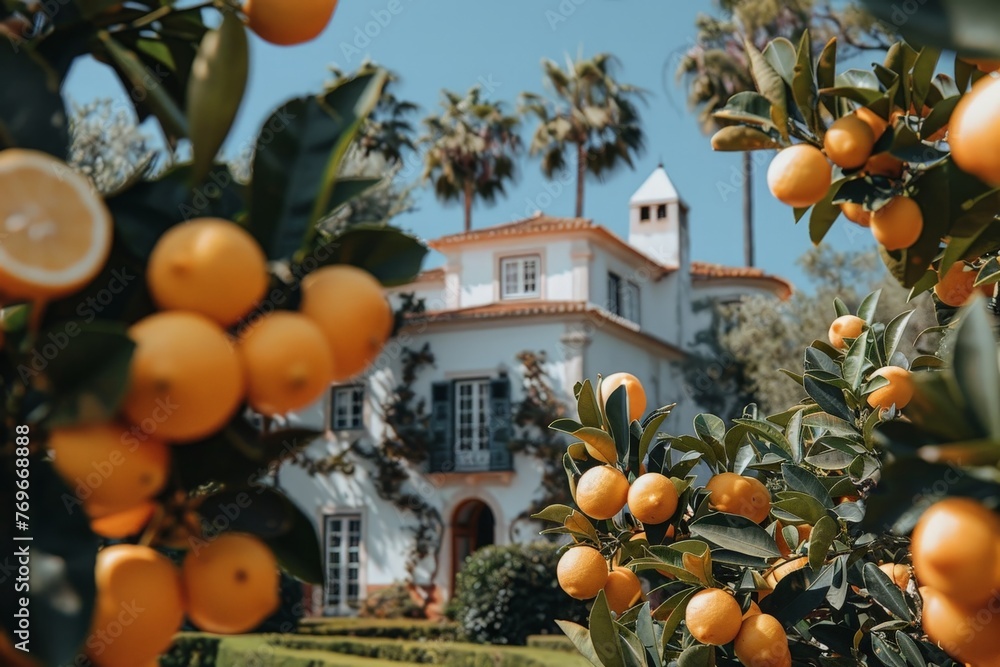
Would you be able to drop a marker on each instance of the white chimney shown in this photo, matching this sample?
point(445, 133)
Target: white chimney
point(658, 220)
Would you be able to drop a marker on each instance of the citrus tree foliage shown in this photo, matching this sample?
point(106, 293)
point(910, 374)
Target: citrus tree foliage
point(799, 94)
point(66, 362)
point(762, 335)
point(857, 476)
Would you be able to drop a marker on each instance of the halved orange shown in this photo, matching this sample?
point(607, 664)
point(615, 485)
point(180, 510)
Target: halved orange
point(55, 231)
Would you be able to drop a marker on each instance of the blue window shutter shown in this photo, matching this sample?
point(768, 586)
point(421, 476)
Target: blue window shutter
point(442, 449)
point(500, 424)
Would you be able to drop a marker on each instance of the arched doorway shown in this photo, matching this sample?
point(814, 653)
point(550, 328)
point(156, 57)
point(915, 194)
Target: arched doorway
point(472, 527)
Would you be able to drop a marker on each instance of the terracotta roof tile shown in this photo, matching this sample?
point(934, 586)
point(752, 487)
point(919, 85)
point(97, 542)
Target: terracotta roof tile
point(709, 271)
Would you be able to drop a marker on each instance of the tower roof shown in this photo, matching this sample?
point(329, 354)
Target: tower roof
point(656, 189)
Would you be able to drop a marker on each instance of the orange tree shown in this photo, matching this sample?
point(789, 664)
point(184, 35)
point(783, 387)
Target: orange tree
point(785, 537)
point(147, 334)
point(903, 148)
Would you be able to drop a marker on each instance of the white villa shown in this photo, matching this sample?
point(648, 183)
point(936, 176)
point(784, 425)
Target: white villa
point(569, 287)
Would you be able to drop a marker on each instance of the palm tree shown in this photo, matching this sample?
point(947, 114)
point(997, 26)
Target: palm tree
point(592, 112)
point(471, 146)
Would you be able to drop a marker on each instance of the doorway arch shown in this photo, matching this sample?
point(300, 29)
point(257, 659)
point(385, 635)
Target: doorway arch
point(473, 526)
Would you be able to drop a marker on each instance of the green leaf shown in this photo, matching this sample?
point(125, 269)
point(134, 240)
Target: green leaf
point(215, 90)
point(799, 505)
point(147, 88)
point(894, 333)
point(649, 432)
point(737, 533)
point(555, 513)
point(803, 84)
point(923, 72)
point(939, 116)
point(604, 635)
point(780, 54)
point(618, 422)
point(588, 407)
point(866, 310)
point(828, 397)
point(824, 214)
point(885, 592)
point(671, 612)
point(975, 363)
point(767, 431)
point(833, 425)
point(856, 361)
point(699, 655)
point(566, 426)
point(348, 189)
point(146, 210)
point(34, 117)
point(644, 629)
point(297, 161)
point(799, 479)
point(821, 539)
point(742, 138)
point(886, 652)
point(580, 637)
point(771, 86)
point(390, 254)
point(826, 65)
point(909, 649)
point(748, 108)
point(88, 371)
point(793, 433)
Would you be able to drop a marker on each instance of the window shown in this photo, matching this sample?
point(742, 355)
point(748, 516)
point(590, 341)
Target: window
point(472, 427)
point(623, 297)
point(661, 212)
point(343, 561)
point(644, 213)
point(347, 413)
point(614, 293)
point(519, 277)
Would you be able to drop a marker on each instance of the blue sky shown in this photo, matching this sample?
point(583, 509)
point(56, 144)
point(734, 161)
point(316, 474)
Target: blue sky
point(435, 44)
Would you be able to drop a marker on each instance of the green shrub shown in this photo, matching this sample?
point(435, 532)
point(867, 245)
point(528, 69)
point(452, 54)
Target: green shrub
point(291, 610)
point(192, 650)
point(552, 642)
point(383, 628)
point(432, 653)
point(503, 594)
point(394, 601)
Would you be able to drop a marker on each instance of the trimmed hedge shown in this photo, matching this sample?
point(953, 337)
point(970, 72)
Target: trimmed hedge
point(432, 653)
point(382, 628)
point(192, 649)
point(552, 642)
point(504, 594)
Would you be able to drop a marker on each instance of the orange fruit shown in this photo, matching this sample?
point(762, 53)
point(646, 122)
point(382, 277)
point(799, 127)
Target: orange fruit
point(877, 124)
point(884, 164)
point(856, 213)
point(957, 285)
point(762, 642)
point(350, 308)
point(230, 583)
point(287, 363)
point(752, 610)
point(602, 492)
point(804, 530)
point(289, 22)
point(799, 175)
point(784, 567)
point(582, 572)
point(897, 572)
point(849, 141)
point(652, 498)
point(636, 395)
point(124, 524)
point(139, 606)
point(735, 494)
point(622, 589)
point(974, 137)
point(713, 616)
point(845, 326)
point(57, 230)
point(208, 266)
point(186, 380)
point(955, 550)
point(102, 470)
point(968, 634)
point(898, 224)
point(898, 392)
